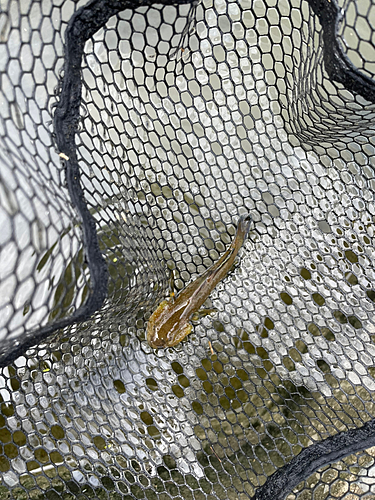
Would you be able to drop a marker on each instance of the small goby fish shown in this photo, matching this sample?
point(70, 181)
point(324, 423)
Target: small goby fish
point(170, 322)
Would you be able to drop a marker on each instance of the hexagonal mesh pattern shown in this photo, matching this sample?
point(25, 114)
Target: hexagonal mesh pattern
point(132, 138)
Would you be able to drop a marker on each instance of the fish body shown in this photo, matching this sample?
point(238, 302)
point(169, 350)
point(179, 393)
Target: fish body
point(171, 321)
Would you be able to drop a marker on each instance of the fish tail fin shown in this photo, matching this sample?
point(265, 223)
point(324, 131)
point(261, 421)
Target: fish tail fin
point(243, 227)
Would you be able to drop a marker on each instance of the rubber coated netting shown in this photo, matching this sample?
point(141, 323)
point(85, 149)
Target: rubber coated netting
point(133, 137)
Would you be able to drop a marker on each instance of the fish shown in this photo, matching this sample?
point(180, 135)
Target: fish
point(171, 321)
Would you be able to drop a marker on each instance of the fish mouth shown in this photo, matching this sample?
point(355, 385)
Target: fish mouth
point(157, 342)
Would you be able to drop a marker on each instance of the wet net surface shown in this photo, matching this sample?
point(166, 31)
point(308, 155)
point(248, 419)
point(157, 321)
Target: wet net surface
point(139, 157)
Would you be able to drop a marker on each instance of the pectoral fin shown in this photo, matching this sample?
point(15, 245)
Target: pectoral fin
point(203, 312)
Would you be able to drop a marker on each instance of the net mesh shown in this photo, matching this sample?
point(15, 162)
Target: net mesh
point(132, 137)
